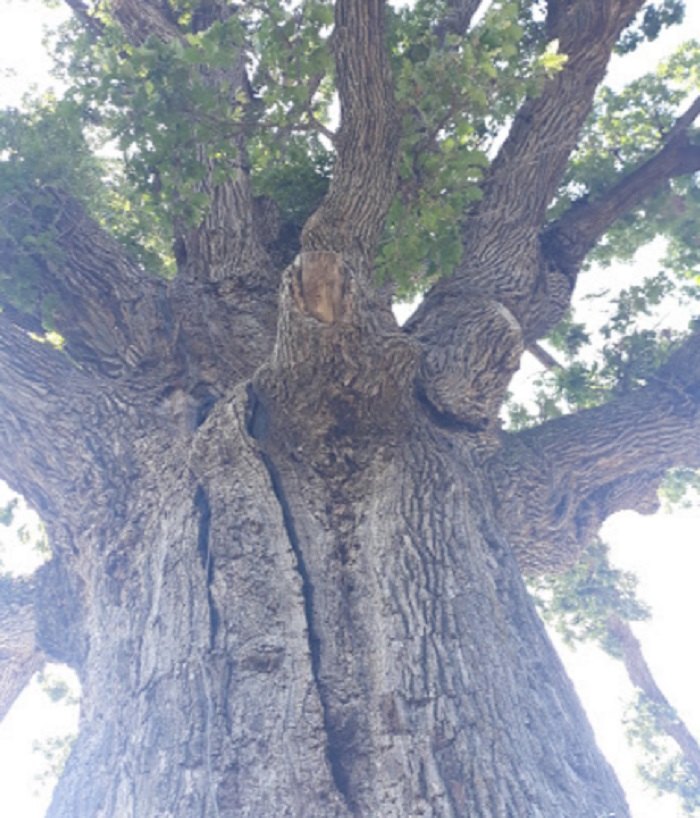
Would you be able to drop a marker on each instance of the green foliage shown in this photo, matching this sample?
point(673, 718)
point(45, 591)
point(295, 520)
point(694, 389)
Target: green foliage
point(624, 129)
point(579, 602)
point(296, 178)
point(663, 767)
point(454, 100)
point(619, 356)
point(293, 75)
point(168, 108)
point(680, 488)
point(44, 149)
point(58, 687)
point(7, 512)
point(40, 149)
point(650, 23)
point(61, 687)
point(54, 752)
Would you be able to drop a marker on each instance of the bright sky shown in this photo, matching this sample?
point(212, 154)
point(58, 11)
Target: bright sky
point(662, 550)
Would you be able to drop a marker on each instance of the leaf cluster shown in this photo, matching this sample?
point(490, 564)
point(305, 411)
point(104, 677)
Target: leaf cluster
point(21, 531)
point(621, 355)
point(169, 108)
point(624, 129)
point(663, 767)
point(579, 602)
point(650, 23)
point(456, 94)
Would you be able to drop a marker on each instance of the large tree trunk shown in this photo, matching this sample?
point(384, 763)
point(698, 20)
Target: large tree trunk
point(272, 636)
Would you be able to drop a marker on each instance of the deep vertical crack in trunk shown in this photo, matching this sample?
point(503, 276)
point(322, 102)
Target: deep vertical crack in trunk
point(256, 426)
point(201, 504)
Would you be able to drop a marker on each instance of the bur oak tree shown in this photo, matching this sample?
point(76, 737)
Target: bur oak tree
point(289, 536)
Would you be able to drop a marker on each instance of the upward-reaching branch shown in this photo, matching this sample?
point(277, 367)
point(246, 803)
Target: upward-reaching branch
point(570, 238)
point(504, 294)
point(334, 329)
point(528, 168)
point(351, 216)
point(525, 174)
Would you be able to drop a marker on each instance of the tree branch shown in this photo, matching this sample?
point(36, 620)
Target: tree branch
point(87, 19)
point(503, 296)
point(642, 678)
point(334, 328)
point(525, 174)
point(20, 656)
point(105, 307)
point(43, 419)
point(457, 19)
point(569, 239)
point(543, 356)
point(563, 478)
point(351, 216)
point(142, 19)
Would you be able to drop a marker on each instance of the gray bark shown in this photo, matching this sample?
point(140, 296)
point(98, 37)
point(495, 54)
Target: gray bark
point(268, 638)
point(287, 535)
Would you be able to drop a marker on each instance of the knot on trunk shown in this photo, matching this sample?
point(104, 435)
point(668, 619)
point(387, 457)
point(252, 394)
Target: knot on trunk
point(342, 370)
point(466, 379)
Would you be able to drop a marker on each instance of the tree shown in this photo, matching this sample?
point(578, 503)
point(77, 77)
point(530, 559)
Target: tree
point(289, 536)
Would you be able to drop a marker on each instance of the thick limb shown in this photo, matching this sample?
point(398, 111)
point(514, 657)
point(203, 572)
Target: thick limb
point(107, 309)
point(515, 281)
point(563, 478)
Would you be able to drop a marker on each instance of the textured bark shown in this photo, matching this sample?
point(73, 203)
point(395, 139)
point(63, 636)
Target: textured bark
point(269, 637)
point(504, 290)
point(285, 532)
point(561, 480)
point(350, 218)
point(20, 656)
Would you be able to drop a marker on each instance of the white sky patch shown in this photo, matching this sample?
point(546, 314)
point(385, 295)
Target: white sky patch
point(24, 63)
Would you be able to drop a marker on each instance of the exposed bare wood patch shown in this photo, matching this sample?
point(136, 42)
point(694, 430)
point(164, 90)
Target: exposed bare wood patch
point(319, 286)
